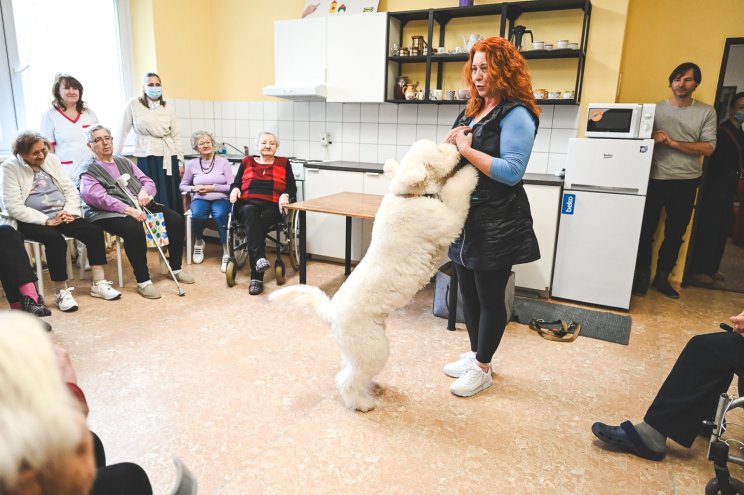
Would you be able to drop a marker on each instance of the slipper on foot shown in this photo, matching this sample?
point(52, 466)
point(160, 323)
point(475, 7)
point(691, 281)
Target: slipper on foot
point(625, 437)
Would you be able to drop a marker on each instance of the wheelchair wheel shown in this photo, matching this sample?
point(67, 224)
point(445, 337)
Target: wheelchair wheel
point(238, 245)
point(231, 273)
point(293, 239)
point(736, 487)
point(279, 273)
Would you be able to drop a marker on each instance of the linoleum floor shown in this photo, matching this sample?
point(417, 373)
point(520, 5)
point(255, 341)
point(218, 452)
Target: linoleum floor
point(243, 392)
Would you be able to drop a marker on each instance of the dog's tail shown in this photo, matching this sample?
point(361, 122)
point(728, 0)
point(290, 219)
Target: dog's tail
point(304, 298)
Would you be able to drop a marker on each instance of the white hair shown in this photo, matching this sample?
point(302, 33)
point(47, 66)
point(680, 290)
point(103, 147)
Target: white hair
point(265, 133)
point(39, 420)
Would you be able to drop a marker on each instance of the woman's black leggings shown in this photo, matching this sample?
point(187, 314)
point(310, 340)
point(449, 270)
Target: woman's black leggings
point(483, 293)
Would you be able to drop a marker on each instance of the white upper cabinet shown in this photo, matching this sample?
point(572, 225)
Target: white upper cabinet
point(355, 54)
point(337, 58)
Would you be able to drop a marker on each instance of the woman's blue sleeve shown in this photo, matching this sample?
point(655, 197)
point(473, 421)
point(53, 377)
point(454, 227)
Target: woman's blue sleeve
point(517, 138)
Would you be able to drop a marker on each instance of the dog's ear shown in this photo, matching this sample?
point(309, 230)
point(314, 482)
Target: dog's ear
point(411, 179)
point(390, 167)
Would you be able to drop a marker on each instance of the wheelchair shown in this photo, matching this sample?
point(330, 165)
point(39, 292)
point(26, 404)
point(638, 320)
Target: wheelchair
point(284, 235)
point(718, 449)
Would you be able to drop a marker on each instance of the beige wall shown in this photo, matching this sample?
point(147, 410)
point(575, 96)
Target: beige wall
point(664, 33)
point(223, 49)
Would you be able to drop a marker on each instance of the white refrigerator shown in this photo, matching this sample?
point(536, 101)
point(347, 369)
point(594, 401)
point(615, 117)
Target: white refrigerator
point(600, 223)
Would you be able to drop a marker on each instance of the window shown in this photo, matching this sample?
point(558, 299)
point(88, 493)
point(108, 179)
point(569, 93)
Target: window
point(88, 39)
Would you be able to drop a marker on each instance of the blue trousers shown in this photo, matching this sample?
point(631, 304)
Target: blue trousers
point(201, 209)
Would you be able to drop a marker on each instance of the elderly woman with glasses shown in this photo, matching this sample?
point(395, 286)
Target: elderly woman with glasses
point(208, 179)
point(40, 200)
point(109, 207)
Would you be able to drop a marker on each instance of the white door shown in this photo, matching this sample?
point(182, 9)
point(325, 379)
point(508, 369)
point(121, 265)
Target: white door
point(326, 234)
point(597, 246)
point(374, 183)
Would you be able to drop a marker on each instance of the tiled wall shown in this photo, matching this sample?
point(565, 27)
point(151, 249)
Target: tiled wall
point(366, 132)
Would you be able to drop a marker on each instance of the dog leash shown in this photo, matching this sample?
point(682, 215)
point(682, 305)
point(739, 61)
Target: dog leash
point(557, 331)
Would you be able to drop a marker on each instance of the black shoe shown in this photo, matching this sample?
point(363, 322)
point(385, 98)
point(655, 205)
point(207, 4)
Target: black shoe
point(255, 288)
point(640, 283)
point(35, 308)
point(661, 283)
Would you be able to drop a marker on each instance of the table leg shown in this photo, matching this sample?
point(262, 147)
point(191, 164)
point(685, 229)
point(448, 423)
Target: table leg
point(452, 317)
point(303, 247)
point(347, 261)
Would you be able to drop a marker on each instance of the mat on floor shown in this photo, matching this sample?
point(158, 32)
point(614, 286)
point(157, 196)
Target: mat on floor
point(595, 324)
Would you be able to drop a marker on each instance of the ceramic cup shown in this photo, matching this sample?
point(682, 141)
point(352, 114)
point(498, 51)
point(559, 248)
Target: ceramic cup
point(451, 94)
point(538, 45)
point(548, 46)
point(554, 95)
point(441, 50)
point(463, 94)
point(540, 94)
point(568, 94)
point(435, 94)
point(420, 94)
point(573, 46)
point(561, 44)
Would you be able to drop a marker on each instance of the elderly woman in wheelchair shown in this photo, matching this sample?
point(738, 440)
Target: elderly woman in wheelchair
point(688, 400)
point(263, 187)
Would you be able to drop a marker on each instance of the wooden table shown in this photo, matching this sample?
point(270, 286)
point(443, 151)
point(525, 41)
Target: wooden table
point(350, 205)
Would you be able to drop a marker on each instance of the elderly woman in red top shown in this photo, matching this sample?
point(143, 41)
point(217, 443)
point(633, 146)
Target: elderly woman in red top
point(264, 185)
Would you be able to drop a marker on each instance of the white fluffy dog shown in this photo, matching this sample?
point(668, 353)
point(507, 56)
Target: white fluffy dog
point(423, 212)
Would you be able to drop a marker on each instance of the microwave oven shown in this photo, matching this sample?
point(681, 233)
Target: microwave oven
point(620, 120)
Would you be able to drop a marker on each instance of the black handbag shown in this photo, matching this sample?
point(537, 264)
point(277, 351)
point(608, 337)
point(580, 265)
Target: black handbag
point(441, 294)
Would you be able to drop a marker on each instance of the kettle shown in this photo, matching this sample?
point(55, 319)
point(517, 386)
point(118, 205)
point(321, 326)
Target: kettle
point(470, 40)
point(516, 34)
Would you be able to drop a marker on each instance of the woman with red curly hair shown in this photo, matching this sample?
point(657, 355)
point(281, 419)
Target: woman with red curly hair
point(495, 134)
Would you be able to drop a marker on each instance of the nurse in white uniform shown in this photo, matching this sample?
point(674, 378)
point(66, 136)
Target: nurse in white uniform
point(63, 124)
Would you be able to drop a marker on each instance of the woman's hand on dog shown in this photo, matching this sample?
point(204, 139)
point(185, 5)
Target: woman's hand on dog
point(459, 135)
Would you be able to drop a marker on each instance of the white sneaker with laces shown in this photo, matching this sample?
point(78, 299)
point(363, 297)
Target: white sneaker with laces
point(472, 381)
point(105, 290)
point(456, 369)
point(225, 260)
point(198, 251)
point(64, 300)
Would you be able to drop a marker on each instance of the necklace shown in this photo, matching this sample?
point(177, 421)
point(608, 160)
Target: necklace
point(208, 169)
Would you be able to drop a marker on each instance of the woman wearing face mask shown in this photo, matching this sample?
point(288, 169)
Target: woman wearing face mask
point(716, 204)
point(63, 124)
point(157, 146)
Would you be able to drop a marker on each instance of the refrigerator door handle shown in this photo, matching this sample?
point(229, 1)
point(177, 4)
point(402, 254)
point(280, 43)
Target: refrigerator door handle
point(607, 189)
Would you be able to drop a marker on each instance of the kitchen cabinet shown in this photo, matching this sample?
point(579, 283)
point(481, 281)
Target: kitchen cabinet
point(545, 201)
point(338, 58)
point(508, 13)
point(326, 233)
point(356, 58)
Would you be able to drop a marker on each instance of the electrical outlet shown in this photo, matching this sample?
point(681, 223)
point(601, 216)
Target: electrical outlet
point(325, 139)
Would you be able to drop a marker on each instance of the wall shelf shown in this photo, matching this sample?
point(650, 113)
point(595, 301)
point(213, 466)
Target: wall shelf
point(509, 12)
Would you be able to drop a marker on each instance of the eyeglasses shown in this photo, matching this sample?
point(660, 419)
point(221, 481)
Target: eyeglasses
point(104, 139)
point(204, 143)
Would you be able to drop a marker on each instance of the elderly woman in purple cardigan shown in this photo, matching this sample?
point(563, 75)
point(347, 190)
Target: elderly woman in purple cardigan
point(208, 179)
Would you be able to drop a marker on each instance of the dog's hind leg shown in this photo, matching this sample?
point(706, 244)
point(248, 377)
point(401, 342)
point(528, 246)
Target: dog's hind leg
point(365, 353)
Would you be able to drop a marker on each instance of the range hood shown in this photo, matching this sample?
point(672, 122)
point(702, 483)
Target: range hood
point(297, 92)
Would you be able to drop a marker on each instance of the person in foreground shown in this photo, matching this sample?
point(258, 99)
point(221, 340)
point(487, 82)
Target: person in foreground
point(688, 396)
point(41, 201)
point(107, 206)
point(208, 178)
point(263, 186)
point(495, 134)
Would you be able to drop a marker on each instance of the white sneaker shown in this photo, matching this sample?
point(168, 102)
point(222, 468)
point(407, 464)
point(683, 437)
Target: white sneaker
point(472, 381)
point(457, 368)
point(104, 289)
point(225, 260)
point(64, 300)
point(198, 252)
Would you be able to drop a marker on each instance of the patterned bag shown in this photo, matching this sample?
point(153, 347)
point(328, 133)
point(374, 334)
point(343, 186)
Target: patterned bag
point(156, 222)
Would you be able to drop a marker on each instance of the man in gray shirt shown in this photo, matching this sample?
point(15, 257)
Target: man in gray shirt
point(684, 131)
